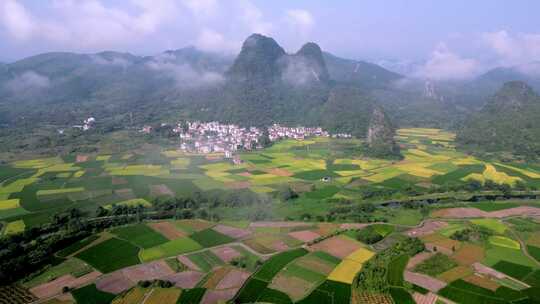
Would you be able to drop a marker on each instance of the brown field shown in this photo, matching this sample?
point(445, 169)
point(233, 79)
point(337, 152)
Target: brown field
point(167, 229)
point(419, 258)
point(280, 172)
point(217, 275)
point(238, 185)
point(236, 233)
point(115, 283)
point(125, 193)
point(326, 228)
point(336, 246)
point(218, 296)
point(246, 174)
point(429, 298)
point(353, 226)
point(314, 263)
point(441, 242)
point(196, 225)
point(424, 281)
point(485, 270)
point(189, 264)
point(304, 236)
point(482, 281)
point(163, 296)
point(81, 158)
point(473, 212)
point(295, 287)
point(185, 279)
point(148, 271)
point(372, 298)
point(277, 224)
point(54, 287)
point(459, 213)
point(455, 273)
point(427, 228)
point(468, 254)
point(234, 278)
point(258, 247)
point(226, 253)
point(160, 190)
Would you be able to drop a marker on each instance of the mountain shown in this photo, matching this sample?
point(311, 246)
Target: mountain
point(510, 121)
point(359, 73)
point(261, 85)
point(380, 135)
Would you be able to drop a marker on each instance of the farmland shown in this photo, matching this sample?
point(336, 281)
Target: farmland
point(298, 222)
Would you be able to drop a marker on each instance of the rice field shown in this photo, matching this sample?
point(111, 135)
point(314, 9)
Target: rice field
point(346, 271)
point(328, 169)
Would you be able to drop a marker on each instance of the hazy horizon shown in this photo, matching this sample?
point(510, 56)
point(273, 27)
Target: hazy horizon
point(451, 40)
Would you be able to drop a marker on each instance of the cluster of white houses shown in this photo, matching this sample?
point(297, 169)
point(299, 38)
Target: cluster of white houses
point(216, 137)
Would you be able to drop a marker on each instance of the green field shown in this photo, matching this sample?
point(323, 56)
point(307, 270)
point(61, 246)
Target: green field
point(91, 295)
point(205, 260)
point(140, 235)
point(170, 248)
point(110, 255)
point(211, 238)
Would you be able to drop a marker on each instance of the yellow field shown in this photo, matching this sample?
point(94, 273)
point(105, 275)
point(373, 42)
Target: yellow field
point(522, 171)
point(9, 204)
point(103, 157)
point(59, 191)
point(346, 271)
point(491, 173)
point(78, 174)
point(504, 242)
point(144, 170)
point(17, 185)
point(163, 296)
point(14, 227)
point(131, 202)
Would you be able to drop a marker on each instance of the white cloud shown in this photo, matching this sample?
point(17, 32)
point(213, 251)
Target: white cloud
point(210, 40)
point(252, 17)
point(446, 65)
point(301, 19)
point(514, 49)
point(29, 80)
point(184, 75)
point(202, 8)
point(16, 20)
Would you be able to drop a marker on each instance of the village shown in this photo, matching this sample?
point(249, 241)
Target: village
point(216, 137)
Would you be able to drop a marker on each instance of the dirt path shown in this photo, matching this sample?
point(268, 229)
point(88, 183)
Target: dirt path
point(523, 246)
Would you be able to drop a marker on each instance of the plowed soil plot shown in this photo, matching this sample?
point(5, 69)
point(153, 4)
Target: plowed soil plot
point(460, 213)
point(469, 254)
point(186, 279)
point(149, 271)
point(424, 281)
point(353, 226)
point(54, 287)
point(226, 254)
point(126, 193)
point(304, 236)
point(524, 210)
point(427, 228)
point(235, 233)
point(115, 283)
point(167, 229)
point(482, 281)
point(160, 190)
point(428, 298)
point(186, 261)
point(280, 172)
point(81, 158)
point(119, 181)
point(218, 296)
point(336, 246)
point(277, 224)
point(235, 278)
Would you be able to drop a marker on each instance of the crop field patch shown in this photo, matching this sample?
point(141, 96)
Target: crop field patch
point(395, 270)
point(205, 260)
point(140, 235)
point(163, 296)
point(337, 247)
point(534, 251)
point(494, 206)
point(167, 229)
point(110, 255)
point(14, 227)
point(295, 287)
point(495, 254)
point(191, 226)
point(455, 273)
point(171, 248)
point(91, 295)
point(329, 292)
point(512, 269)
point(346, 271)
point(211, 238)
point(468, 254)
point(504, 242)
point(274, 265)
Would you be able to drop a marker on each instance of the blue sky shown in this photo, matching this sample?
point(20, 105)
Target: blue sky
point(451, 39)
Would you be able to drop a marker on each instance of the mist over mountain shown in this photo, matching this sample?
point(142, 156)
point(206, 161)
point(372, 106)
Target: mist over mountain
point(510, 121)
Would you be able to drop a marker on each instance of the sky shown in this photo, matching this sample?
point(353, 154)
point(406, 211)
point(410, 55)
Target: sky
point(445, 39)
